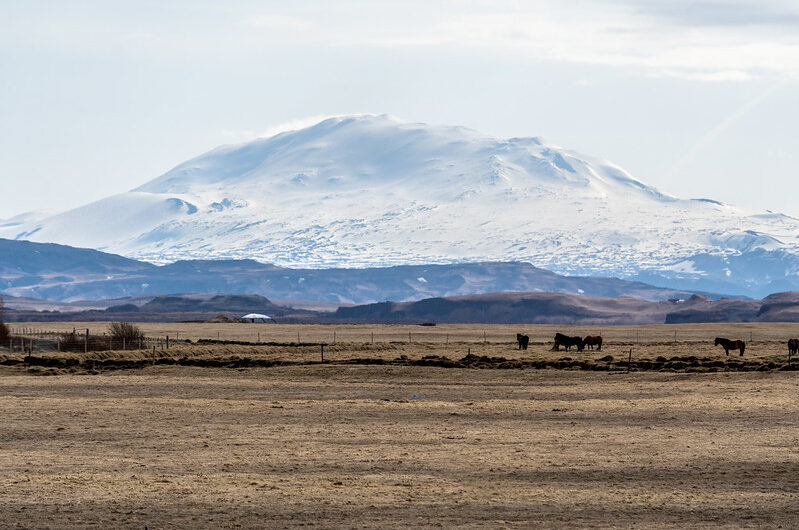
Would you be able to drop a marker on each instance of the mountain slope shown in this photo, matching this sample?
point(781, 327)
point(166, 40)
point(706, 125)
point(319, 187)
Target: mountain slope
point(364, 191)
point(57, 272)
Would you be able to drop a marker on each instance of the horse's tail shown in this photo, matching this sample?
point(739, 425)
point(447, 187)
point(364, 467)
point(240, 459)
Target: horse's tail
point(743, 347)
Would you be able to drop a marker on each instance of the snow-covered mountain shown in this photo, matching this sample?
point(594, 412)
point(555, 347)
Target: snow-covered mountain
point(370, 190)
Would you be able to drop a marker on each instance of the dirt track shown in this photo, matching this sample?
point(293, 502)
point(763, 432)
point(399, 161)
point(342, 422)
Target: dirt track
point(350, 446)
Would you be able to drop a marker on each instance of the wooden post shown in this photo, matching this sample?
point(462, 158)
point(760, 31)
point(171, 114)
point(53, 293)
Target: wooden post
point(484, 337)
point(409, 336)
point(153, 354)
point(298, 337)
point(259, 337)
point(373, 337)
point(167, 342)
point(217, 335)
point(86, 341)
point(629, 360)
point(334, 336)
point(323, 352)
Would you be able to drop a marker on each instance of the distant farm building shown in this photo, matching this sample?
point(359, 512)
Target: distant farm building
point(257, 317)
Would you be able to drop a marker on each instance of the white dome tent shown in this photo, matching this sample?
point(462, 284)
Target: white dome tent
point(257, 317)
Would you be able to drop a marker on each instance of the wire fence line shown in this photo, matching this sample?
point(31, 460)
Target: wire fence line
point(24, 338)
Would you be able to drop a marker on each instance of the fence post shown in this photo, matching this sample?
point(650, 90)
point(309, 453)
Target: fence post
point(86, 341)
point(167, 342)
point(323, 352)
point(409, 336)
point(629, 360)
point(123, 343)
point(334, 336)
point(373, 337)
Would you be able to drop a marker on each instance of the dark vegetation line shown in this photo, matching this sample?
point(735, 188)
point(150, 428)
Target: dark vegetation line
point(34, 363)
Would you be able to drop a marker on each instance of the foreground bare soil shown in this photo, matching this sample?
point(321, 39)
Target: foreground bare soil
point(397, 446)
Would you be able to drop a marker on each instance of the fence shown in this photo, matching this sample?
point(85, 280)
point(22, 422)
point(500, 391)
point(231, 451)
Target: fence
point(162, 335)
point(76, 340)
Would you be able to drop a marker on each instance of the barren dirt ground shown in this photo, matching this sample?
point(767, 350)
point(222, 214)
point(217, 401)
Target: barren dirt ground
point(397, 446)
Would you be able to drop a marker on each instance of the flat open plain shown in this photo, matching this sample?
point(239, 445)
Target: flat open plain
point(350, 445)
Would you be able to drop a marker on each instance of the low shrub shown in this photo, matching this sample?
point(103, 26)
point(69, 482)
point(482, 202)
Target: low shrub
point(125, 331)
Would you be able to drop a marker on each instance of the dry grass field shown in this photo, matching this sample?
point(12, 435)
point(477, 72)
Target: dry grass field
point(441, 333)
point(352, 445)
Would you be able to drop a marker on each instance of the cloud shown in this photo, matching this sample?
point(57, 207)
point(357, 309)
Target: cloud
point(294, 125)
point(279, 22)
point(698, 40)
point(708, 41)
point(719, 76)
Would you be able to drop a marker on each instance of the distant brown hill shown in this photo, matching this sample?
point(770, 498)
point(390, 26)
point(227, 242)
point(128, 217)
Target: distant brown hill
point(559, 308)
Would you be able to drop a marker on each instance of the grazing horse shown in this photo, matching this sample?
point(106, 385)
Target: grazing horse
point(728, 345)
point(567, 342)
point(593, 340)
point(523, 341)
point(793, 347)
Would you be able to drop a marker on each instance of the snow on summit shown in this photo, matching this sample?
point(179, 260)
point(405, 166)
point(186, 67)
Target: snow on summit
point(372, 190)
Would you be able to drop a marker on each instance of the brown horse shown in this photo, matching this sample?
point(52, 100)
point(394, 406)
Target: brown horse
point(793, 347)
point(593, 340)
point(567, 342)
point(728, 345)
point(523, 341)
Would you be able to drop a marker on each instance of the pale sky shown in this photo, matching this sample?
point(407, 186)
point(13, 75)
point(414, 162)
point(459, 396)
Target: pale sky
point(699, 98)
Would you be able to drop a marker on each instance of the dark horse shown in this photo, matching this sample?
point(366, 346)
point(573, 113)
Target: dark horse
point(793, 347)
point(568, 342)
point(593, 340)
point(523, 341)
point(728, 345)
